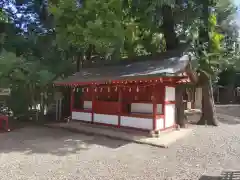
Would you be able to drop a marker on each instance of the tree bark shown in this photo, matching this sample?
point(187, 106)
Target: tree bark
point(79, 62)
point(208, 108)
point(168, 28)
point(180, 118)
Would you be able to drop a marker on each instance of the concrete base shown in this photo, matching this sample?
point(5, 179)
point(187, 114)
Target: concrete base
point(153, 134)
point(164, 140)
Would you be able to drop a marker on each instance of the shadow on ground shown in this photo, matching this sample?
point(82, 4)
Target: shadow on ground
point(222, 118)
point(229, 109)
point(34, 139)
point(226, 175)
point(226, 119)
point(226, 114)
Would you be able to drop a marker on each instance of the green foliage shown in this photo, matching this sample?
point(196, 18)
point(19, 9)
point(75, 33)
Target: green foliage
point(3, 16)
point(99, 30)
point(227, 77)
point(214, 37)
point(214, 55)
point(95, 22)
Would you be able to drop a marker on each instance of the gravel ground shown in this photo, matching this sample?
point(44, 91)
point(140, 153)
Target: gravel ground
point(43, 153)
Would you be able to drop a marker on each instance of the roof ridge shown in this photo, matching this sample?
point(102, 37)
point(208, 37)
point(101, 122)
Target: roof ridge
point(183, 48)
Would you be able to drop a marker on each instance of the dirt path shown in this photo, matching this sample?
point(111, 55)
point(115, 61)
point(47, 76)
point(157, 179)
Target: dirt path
point(43, 153)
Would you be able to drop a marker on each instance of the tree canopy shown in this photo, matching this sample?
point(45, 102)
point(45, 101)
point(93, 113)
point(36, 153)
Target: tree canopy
point(45, 40)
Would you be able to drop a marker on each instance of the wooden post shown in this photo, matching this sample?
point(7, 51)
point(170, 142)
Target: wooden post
point(120, 106)
point(60, 109)
point(194, 98)
point(179, 106)
point(56, 110)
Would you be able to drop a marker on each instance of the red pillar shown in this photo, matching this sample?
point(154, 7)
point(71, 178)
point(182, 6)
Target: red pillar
point(154, 108)
point(120, 106)
point(163, 106)
point(72, 100)
point(93, 101)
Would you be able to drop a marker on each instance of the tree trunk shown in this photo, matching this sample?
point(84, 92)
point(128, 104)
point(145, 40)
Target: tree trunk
point(208, 108)
point(180, 118)
point(168, 28)
point(79, 62)
point(89, 53)
point(2, 31)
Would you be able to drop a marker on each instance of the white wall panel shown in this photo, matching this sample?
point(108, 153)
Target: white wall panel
point(169, 115)
point(87, 104)
point(160, 124)
point(159, 109)
point(145, 108)
point(82, 116)
point(142, 123)
point(169, 93)
point(141, 108)
point(106, 119)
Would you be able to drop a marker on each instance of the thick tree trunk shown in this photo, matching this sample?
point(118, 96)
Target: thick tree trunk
point(180, 118)
point(208, 108)
point(168, 28)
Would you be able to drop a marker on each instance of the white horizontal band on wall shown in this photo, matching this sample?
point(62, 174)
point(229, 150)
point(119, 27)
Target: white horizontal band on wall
point(83, 116)
point(106, 119)
point(135, 122)
point(145, 108)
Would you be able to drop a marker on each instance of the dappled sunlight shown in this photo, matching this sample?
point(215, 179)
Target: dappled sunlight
point(51, 141)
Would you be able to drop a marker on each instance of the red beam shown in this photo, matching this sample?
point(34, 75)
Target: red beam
point(137, 80)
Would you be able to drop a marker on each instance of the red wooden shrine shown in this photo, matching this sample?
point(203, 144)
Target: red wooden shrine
point(146, 104)
point(135, 94)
